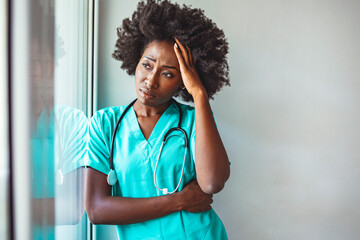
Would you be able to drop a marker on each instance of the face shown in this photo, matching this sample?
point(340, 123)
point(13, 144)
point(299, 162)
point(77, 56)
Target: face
point(157, 75)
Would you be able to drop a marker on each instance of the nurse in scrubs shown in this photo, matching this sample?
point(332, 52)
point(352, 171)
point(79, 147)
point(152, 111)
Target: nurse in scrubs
point(173, 51)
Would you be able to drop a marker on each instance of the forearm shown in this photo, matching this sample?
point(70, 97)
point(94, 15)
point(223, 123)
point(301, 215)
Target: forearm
point(211, 160)
point(121, 210)
point(103, 208)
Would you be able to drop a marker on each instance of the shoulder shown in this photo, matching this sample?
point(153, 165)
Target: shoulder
point(187, 109)
point(107, 114)
point(69, 117)
point(104, 120)
point(188, 115)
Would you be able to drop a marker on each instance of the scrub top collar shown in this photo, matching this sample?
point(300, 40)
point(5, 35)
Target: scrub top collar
point(165, 122)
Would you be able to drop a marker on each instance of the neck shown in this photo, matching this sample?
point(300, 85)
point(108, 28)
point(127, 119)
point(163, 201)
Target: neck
point(149, 111)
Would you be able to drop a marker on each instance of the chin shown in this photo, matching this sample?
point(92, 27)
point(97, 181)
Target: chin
point(151, 102)
point(147, 102)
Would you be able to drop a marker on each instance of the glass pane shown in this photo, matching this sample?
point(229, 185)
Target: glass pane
point(70, 117)
point(42, 118)
point(58, 121)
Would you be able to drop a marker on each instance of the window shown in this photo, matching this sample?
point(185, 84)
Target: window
point(49, 119)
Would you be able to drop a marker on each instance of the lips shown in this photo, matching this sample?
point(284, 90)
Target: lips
point(146, 93)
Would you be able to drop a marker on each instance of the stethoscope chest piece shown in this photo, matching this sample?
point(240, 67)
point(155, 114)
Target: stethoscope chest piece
point(111, 177)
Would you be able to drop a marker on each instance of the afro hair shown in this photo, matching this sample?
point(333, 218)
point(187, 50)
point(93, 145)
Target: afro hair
point(156, 20)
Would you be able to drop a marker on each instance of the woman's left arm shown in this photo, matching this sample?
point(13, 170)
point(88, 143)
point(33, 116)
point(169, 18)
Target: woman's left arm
point(211, 160)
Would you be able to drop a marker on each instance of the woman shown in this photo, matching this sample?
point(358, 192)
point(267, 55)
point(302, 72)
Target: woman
point(173, 51)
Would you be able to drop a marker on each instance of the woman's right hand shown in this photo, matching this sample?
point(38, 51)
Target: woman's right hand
point(193, 199)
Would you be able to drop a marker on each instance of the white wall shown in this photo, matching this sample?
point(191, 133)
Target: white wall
point(291, 121)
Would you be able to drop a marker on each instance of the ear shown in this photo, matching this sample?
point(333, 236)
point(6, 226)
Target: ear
point(182, 87)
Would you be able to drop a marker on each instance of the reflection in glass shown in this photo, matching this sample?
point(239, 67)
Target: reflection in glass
point(70, 143)
point(58, 123)
point(70, 101)
point(42, 119)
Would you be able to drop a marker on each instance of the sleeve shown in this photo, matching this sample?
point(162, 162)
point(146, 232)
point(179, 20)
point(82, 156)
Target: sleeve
point(98, 151)
point(71, 139)
point(192, 144)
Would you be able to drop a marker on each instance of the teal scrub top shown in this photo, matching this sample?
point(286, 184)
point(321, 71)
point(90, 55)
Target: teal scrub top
point(134, 163)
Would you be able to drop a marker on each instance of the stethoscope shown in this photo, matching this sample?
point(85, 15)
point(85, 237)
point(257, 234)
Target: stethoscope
point(112, 178)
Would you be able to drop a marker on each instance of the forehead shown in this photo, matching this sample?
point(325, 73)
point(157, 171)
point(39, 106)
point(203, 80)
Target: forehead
point(161, 51)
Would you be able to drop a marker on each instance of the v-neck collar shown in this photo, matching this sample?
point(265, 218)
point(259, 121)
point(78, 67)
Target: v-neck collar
point(158, 132)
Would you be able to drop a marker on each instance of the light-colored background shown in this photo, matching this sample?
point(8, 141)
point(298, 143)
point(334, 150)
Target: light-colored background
point(290, 120)
point(4, 154)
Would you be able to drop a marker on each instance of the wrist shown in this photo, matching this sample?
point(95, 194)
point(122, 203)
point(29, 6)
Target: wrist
point(200, 94)
point(177, 200)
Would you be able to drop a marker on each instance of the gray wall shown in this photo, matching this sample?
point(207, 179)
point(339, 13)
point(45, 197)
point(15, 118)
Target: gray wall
point(290, 120)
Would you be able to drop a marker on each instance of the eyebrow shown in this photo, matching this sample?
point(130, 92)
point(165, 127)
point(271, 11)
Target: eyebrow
point(166, 66)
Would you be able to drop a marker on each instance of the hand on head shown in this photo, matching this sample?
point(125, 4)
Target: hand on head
point(190, 77)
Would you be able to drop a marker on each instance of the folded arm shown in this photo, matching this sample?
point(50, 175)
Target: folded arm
point(102, 208)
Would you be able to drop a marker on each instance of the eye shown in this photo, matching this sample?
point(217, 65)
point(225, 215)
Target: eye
point(146, 65)
point(168, 75)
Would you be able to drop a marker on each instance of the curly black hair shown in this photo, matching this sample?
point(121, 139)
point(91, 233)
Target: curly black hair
point(158, 20)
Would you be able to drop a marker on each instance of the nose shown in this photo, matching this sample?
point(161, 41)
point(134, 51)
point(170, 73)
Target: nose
point(151, 80)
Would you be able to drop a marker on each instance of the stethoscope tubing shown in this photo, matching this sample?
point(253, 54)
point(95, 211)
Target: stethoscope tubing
point(114, 134)
point(112, 179)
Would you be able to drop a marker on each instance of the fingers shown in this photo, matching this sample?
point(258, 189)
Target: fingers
point(196, 199)
point(193, 182)
point(198, 209)
point(211, 199)
point(185, 52)
point(190, 57)
point(179, 55)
